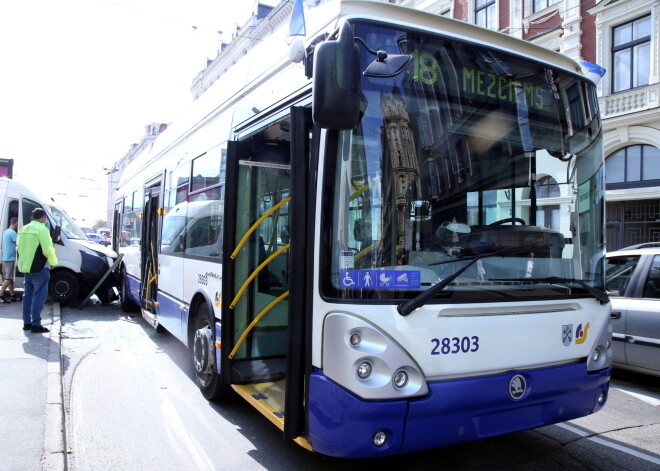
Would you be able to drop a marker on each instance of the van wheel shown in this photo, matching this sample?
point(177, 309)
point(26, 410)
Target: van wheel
point(124, 302)
point(64, 287)
point(203, 355)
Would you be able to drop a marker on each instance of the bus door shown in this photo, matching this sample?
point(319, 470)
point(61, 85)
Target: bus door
point(116, 227)
point(149, 252)
point(257, 329)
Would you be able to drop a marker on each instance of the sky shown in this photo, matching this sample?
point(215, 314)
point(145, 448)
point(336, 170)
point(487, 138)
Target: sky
point(80, 80)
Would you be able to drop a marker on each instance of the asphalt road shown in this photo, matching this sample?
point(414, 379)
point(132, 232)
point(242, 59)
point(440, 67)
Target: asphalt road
point(131, 403)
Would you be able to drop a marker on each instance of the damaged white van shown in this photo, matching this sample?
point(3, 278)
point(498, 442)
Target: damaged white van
point(82, 264)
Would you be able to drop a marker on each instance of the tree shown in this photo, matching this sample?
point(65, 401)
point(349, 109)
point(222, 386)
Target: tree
point(99, 224)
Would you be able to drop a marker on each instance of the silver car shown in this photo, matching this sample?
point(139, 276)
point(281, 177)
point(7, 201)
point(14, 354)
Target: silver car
point(633, 284)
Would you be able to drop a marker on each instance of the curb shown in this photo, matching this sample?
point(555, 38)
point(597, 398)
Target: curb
point(54, 456)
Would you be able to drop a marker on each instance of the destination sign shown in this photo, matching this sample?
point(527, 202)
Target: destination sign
point(425, 70)
point(502, 88)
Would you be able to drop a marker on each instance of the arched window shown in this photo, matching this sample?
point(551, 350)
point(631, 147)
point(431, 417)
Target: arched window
point(547, 187)
point(633, 166)
point(547, 215)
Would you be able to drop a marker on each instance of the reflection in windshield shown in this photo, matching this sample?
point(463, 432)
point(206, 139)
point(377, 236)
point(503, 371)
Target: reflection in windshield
point(468, 152)
point(69, 228)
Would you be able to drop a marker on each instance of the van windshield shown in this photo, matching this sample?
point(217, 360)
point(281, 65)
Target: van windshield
point(69, 228)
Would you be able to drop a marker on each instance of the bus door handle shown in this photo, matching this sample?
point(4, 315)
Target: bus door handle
point(615, 315)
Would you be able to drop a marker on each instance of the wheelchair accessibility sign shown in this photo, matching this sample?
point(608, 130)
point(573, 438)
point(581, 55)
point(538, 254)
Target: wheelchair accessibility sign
point(380, 279)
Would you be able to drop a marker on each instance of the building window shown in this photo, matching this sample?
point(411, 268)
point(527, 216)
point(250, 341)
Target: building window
point(634, 164)
point(631, 54)
point(485, 14)
point(543, 4)
point(548, 215)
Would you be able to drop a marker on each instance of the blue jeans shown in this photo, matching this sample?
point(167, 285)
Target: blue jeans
point(34, 296)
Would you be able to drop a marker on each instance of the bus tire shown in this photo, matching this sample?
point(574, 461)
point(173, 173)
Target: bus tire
point(203, 355)
point(126, 304)
point(64, 287)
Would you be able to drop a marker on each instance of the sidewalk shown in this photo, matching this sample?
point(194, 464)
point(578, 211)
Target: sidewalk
point(31, 407)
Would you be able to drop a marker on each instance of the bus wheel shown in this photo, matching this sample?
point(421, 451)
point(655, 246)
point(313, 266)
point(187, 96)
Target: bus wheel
point(203, 353)
point(64, 287)
point(124, 302)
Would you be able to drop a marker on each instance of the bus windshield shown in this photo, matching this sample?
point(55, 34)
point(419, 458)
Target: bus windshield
point(69, 228)
point(469, 151)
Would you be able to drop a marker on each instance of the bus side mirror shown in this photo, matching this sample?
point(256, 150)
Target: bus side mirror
point(336, 85)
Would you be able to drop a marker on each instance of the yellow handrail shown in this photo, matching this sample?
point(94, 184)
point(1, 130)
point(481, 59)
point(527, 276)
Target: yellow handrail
point(366, 250)
point(254, 322)
point(255, 272)
point(256, 224)
point(358, 192)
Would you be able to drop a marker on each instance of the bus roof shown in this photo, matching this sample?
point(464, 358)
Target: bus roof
point(431, 22)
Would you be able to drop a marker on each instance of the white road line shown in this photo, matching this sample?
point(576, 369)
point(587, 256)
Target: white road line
point(609, 444)
point(635, 392)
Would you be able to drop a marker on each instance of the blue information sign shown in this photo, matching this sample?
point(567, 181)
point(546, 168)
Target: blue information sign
point(380, 279)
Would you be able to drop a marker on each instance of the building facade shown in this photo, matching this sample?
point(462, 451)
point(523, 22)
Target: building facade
point(151, 133)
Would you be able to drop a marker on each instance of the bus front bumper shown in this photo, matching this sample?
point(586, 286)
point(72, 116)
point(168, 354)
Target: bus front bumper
point(455, 411)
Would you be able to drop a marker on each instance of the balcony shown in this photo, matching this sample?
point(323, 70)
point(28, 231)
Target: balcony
point(631, 101)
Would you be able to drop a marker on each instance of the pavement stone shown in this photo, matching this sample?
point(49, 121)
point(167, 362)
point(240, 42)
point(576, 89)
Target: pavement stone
point(31, 405)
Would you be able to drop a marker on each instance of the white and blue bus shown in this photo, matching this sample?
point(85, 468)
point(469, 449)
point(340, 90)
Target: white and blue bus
point(394, 245)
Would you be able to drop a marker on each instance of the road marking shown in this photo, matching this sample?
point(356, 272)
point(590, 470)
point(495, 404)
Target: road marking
point(610, 444)
point(638, 393)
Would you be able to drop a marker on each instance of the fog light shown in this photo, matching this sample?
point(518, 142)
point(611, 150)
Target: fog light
point(596, 354)
point(400, 379)
point(356, 339)
point(364, 370)
point(601, 398)
point(380, 438)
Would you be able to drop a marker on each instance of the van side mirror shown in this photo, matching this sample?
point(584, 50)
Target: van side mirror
point(55, 233)
point(336, 85)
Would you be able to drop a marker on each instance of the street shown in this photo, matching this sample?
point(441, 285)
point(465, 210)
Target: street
point(131, 403)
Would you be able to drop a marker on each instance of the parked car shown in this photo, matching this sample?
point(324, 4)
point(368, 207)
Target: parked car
point(95, 238)
point(633, 284)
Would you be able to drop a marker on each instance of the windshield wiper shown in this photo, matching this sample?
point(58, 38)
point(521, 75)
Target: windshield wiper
point(601, 296)
point(407, 307)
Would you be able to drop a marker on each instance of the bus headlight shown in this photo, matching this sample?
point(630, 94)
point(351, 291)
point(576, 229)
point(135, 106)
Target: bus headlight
point(361, 358)
point(364, 370)
point(400, 379)
point(600, 356)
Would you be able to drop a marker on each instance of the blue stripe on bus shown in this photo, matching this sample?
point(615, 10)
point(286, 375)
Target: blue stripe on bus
point(133, 288)
point(454, 411)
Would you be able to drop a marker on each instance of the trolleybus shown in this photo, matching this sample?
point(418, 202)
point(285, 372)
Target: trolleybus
point(392, 245)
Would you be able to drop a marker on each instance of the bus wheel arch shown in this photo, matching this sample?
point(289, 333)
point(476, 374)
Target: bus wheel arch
point(64, 286)
point(201, 341)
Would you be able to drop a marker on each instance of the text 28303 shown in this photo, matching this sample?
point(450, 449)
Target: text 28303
point(447, 345)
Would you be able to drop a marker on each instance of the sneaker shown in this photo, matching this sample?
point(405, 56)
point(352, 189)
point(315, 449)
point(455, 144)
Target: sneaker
point(39, 329)
point(4, 301)
point(17, 297)
point(27, 326)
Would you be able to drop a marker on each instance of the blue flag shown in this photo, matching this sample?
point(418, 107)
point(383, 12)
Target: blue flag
point(594, 71)
point(297, 22)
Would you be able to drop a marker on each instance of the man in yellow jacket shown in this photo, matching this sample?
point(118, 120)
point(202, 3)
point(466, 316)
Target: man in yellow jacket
point(36, 256)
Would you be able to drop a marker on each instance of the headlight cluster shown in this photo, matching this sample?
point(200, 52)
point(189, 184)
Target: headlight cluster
point(601, 353)
point(360, 357)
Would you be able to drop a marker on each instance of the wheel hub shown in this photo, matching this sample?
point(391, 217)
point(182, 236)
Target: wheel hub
point(203, 351)
point(61, 288)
